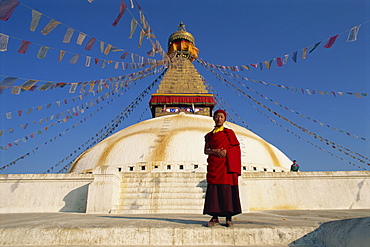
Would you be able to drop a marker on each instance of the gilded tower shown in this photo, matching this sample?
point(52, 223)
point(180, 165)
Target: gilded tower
point(182, 88)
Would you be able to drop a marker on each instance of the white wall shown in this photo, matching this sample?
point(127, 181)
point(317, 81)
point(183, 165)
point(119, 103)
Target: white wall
point(258, 190)
point(21, 193)
point(308, 190)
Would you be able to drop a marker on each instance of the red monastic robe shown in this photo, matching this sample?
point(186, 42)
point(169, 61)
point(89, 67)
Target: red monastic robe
point(224, 170)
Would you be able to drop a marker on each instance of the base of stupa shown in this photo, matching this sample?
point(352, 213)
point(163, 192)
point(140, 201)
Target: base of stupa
point(259, 228)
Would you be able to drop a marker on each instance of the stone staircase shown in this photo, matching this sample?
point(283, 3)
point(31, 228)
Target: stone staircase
point(161, 192)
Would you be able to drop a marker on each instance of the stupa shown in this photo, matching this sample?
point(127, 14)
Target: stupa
point(173, 140)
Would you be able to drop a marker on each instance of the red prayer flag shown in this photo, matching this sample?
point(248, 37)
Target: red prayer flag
point(6, 8)
point(122, 9)
point(90, 44)
point(24, 46)
point(279, 62)
point(331, 41)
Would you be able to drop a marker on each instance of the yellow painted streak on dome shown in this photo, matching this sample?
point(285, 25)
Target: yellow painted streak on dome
point(159, 152)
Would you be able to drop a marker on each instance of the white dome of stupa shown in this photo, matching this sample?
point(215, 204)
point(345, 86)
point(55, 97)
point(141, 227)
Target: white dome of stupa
point(175, 143)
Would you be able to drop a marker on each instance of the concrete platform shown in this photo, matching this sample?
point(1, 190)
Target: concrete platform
point(259, 228)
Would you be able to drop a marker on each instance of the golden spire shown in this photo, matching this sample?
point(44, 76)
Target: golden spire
point(181, 40)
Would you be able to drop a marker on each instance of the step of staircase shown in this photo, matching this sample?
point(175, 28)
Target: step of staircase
point(340, 228)
point(162, 192)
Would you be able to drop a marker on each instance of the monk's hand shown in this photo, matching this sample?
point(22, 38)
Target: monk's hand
point(222, 152)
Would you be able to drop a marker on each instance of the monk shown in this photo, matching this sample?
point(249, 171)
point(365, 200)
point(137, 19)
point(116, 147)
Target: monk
point(224, 167)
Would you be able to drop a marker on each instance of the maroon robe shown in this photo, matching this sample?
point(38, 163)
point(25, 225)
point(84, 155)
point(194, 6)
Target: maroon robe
point(222, 196)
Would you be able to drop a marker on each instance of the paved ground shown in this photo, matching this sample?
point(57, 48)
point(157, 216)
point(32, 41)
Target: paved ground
point(12, 225)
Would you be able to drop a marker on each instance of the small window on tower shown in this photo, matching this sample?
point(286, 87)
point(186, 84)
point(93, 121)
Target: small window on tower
point(131, 168)
point(181, 167)
point(168, 167)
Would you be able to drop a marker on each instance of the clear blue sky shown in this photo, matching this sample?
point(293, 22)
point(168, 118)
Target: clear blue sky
point(227, 33)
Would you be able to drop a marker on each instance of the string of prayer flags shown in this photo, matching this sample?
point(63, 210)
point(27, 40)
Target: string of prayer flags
point(122, 8)
point(296, 125)
point(6, 9)
point(276, 103)
point(352, 36)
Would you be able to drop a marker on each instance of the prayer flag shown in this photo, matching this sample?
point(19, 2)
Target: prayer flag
point(88, 61)
point(138, 6)
point(68, 35)
point(49, 27)
point(4, 39)
point(357, 95)
point(73, 87)
point(6, 8)
point(122, 8)
point(124, 55)
point(142, 33)
point(107, 49)
point(314, 47)
point(42, 52)
point(28, 84)
point(304, 53)
point(82, 89)
point(246, 67)
point(279, 62)
point(45, 87)
point(352, 36)
point(132, 4)
point(16, 90)
point(96, 60)
point(101, 46)
point(295, 56)
point(267, 64)
point(133, 27)
point(285, 59)
point(24, 46)
point(35, 20)
point(61, 55)
point(103, 64)
point(74, 59)
point(8, 82)
point(81, 38)
point(260, 65)
point(90, 43)
point(331, 41)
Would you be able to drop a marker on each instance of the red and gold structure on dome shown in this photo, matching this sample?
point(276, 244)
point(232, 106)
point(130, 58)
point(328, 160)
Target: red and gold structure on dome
point(182, 88)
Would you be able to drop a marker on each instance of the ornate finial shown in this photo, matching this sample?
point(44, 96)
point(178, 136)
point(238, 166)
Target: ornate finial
point(181, 27)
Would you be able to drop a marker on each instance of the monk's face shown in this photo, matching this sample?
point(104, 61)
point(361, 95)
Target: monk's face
point(219, 119)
